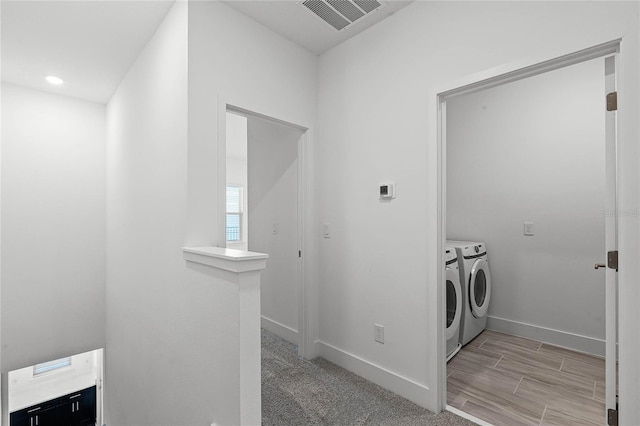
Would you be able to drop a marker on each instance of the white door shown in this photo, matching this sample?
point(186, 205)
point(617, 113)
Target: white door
point(611, 241)
point(273, 220)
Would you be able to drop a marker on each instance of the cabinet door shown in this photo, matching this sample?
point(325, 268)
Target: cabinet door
point(19, 418)
point(45, 415)
point(83, 407)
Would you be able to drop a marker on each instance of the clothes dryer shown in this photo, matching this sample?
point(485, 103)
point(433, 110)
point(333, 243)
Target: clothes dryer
point(454, 302)
point(475, 280)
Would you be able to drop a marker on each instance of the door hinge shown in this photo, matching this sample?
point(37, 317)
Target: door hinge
point(612, 259)
point(299, 253)
point(612, 417)
point(612, 101)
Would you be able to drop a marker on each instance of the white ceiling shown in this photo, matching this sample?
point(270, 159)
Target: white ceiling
point(92, 44)
point(89, 44)
point(292, 20)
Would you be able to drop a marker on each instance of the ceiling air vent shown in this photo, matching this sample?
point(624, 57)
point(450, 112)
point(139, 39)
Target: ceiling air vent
point(342, 13)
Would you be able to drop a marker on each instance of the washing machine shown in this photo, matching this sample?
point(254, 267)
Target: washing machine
point(454, 302)
point(475, 280)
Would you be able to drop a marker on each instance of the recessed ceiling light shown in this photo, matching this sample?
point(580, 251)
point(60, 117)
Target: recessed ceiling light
point(57, 81)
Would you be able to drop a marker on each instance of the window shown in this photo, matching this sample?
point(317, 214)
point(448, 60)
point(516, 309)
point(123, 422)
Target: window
point(234, 213)
point(51, 365)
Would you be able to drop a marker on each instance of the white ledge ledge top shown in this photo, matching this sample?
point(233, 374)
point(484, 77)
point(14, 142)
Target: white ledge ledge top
point(225, 258)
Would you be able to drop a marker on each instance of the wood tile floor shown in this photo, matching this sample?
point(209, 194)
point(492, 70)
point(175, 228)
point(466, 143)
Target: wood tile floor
point(509, 380)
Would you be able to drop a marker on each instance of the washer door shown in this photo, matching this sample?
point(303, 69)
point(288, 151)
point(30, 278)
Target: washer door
point(454, 302)
point(479, 288)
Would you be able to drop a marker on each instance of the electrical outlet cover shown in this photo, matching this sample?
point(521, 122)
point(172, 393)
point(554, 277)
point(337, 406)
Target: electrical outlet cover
point(387, 190)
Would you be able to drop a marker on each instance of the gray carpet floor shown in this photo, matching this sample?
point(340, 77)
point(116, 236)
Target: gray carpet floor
point(300, 392)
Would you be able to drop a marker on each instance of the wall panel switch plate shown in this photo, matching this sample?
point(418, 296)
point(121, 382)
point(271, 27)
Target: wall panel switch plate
point(274, 230)
point(528, 228)
point(326, 230)
point(378, 333)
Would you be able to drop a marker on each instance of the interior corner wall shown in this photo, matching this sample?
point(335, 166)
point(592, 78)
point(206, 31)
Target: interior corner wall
point(235, 61)
point(372, 115)
point(169, 344)
point(533, 151)
point(170, 327)
point(53, 226)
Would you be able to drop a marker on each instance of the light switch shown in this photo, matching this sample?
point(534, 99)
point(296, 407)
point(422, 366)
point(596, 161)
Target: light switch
point(528, 228)
point(274, 230)
point(326, 230)
point(378, 333)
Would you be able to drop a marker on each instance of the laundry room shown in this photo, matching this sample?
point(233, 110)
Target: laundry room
point(526, 192)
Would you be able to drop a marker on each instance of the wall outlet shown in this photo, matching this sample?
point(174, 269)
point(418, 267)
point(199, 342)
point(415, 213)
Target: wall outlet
point(387, 191)
point(378, 333)
point(528, 228)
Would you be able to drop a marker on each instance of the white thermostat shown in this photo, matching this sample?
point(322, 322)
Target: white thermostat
point(387, 190)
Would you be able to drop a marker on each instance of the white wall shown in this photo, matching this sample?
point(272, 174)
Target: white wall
point(273, 201)
point(26, 390)
point(164, 349)
point(533, 151)
point(53, 226)
point(233, 60)
point(372, 113)
point(172, 331)
point(273, 77)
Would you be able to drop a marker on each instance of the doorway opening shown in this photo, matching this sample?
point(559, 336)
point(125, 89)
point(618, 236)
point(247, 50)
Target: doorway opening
point(66, 391)
point(530, 183)
point(264, 178)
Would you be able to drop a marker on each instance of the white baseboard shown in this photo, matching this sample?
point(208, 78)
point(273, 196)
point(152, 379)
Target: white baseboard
point(576, 342)
point(403, 386)
point(287, 333)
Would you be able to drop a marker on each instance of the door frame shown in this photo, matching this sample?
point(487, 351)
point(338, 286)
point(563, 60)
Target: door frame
point(437, 140)
point(304, 346)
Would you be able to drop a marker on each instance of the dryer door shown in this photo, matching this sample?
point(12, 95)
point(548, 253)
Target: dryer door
point(454, 302)
point(479, 288)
